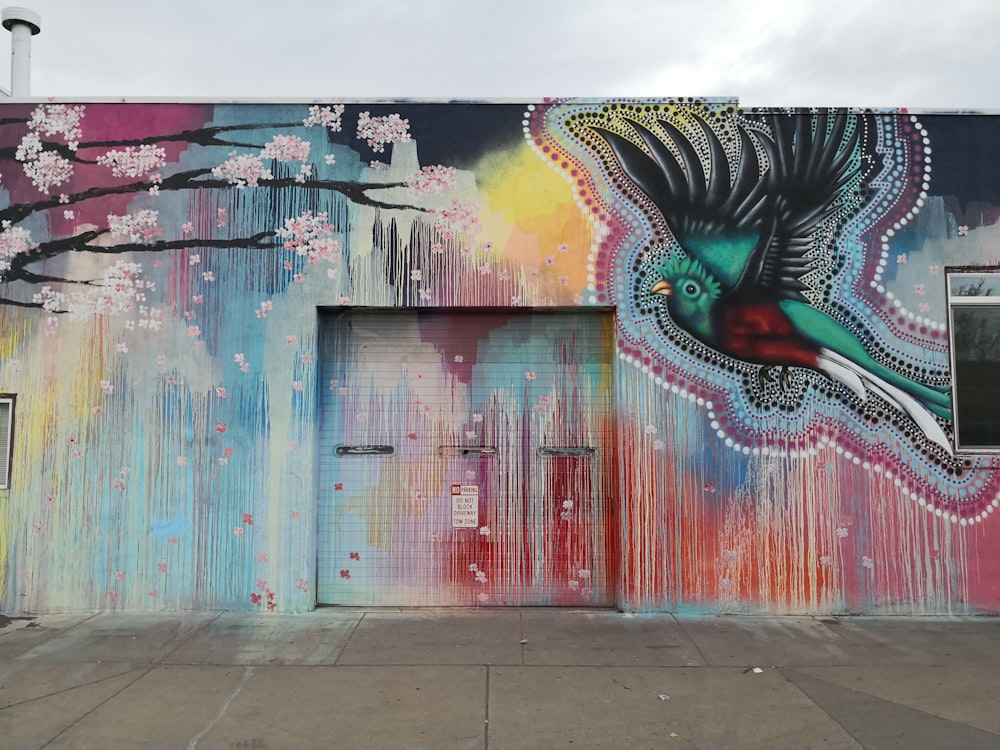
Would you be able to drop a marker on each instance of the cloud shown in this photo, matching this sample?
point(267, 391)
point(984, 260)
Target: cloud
point(916, 53)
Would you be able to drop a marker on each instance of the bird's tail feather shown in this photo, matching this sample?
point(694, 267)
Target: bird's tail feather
point(861, 381)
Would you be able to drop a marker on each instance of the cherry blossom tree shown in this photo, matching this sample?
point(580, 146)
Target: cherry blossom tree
point(70, 175)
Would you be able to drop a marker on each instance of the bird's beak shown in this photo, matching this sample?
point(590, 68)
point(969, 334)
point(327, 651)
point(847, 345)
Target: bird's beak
point(661, 287)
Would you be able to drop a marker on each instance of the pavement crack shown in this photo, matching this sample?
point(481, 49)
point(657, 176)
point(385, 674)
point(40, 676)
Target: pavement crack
point(692, 641)
point(247, 673)
point(182, 639)
point(115, 694)
point(98, 681)
point(520, 620)
point(486, 722)
point(350, 636)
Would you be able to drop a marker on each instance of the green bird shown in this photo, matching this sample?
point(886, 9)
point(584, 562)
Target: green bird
point(745, 237)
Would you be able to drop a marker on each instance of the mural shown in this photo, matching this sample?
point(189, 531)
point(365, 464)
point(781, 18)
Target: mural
point(781, 388)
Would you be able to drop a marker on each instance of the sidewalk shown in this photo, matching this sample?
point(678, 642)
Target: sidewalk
point(496, 679)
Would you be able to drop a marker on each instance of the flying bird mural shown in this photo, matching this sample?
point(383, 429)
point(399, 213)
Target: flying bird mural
point(748, 219)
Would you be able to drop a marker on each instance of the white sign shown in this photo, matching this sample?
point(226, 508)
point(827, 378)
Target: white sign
point(464, 506)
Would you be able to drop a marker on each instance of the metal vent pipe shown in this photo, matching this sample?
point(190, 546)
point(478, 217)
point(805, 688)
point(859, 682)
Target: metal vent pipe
point(22, 24)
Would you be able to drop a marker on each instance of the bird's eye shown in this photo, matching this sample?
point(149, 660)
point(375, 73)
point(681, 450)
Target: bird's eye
point(690, 289)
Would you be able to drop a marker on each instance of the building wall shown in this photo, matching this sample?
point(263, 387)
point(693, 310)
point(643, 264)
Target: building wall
point(165, 266)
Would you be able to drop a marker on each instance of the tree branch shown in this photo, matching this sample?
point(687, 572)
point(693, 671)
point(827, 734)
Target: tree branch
point(353, 191)
point(19, 271)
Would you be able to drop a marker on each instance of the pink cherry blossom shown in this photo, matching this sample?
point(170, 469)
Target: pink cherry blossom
point(139, 226)
point(378, 131)
point(242, 170)
point(328, 117)
point(431, 180)
point(133, 161)
point(458, 217)
point(58, 119)
point(48, 169)
point(286, 148)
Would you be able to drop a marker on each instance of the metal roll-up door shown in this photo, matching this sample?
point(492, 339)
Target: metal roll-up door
point(466, 458)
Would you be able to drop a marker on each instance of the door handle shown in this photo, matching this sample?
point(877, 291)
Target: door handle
point(462, 451)
point(364, 450)
point(568, 450)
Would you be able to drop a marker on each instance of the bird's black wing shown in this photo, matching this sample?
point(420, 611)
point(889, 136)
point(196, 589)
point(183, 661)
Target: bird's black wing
point(811, 160)
point(696, 197)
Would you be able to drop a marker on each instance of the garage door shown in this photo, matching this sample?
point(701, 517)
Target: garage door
point(466, 458)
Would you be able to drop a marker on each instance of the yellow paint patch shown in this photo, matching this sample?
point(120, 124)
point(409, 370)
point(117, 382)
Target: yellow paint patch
point(535, 204)
point(520, 184)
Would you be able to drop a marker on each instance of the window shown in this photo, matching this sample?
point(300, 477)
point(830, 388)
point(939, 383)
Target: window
point(6, 430)
point(974, 330)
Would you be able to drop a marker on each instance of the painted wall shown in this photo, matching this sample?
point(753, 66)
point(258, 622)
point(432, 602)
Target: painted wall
point(163, 266)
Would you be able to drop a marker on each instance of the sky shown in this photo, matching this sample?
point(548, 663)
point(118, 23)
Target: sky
point(919, 54)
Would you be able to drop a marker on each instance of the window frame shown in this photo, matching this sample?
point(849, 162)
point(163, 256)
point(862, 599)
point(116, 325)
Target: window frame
point(958, 302)
point(7, 458)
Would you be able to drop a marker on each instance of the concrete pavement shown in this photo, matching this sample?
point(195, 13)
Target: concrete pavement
point(353, 678)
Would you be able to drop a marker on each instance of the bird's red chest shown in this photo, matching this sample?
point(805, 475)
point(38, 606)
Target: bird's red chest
point(762, 333)
point(762, 319)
